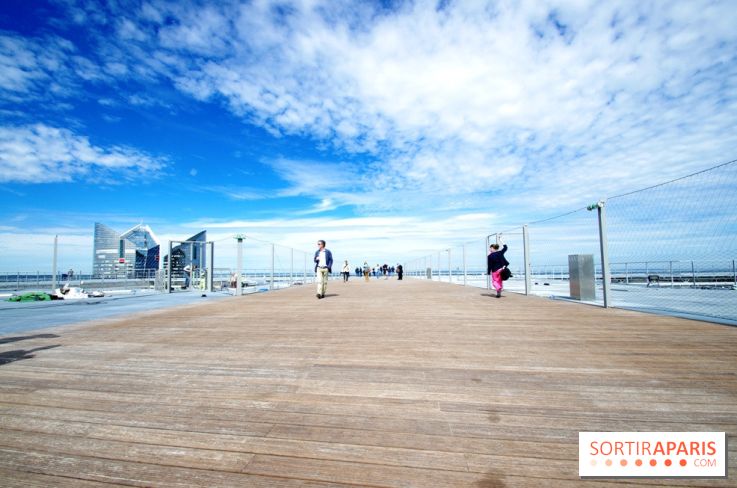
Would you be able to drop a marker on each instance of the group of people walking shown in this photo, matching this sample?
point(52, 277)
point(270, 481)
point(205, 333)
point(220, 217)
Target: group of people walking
point(496, 267)
point(324, 266)
point(377, 271)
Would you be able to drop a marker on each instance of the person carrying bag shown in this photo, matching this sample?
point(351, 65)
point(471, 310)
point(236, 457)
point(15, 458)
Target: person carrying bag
point(496, 263)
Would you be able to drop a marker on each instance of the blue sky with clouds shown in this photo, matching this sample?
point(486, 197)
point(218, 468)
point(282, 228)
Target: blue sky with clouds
point(404, 125)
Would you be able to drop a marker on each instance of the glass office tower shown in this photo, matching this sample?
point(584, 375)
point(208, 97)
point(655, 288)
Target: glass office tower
point(134, 253)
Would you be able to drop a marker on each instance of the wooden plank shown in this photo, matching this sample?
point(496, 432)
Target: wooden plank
point(444, 388)
point(89, 468)
point(21, 479)
point(136, 451)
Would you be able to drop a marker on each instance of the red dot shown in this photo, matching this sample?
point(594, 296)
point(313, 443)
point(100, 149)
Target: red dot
point(668, 462)
point(653, 462)
point(683, 462)
point(623, 462)
point(638, 462)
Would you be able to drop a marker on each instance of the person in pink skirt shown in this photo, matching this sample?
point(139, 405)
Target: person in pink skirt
point(495, 263)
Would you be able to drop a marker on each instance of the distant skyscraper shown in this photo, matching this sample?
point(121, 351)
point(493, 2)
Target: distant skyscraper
point(132, 253)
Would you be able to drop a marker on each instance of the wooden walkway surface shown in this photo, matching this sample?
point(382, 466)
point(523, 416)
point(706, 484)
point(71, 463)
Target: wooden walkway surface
point(384, 383)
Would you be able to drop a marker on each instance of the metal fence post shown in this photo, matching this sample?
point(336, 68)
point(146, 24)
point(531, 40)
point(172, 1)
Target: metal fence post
point(734, 272)
point(168, 269)
point(211, 275)
point(291, 269)
point(693, 273)
point(528, 270)
point(239, 265)
point(605, 272)
point(486, 251)
point(271, 285)
point(465, 277)
point(670, 265)
point(627, 273)
point(450, 269)
point(53, 263)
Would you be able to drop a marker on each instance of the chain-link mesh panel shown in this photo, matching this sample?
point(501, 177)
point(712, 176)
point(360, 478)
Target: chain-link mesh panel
point(264, 265)
point(673, 247)
point(553, 241)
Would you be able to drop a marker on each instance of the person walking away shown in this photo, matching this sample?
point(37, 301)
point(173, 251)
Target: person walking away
point(187, 276)
point(323, 267)
point(366, 271)
point(346, 271)
point(203, 279)
point(495, 262)
point(400, 271)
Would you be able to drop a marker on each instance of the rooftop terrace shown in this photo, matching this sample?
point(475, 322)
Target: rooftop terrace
point(387, 383)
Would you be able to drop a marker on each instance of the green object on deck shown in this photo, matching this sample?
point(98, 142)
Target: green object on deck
point(31, 297)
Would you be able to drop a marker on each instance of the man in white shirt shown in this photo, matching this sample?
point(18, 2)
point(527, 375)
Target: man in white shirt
point(323, 267)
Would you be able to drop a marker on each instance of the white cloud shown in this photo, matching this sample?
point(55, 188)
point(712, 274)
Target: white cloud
point(581, 97)
point(465, 106)
point(43, 154)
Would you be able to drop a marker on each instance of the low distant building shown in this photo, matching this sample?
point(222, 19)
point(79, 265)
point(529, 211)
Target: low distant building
point(133, 254)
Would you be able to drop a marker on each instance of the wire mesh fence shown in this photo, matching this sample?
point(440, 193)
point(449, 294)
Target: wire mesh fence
point(673, 246)
point(670, 248)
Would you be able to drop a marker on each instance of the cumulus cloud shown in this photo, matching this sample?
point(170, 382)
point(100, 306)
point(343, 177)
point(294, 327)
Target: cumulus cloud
point(468, 97)
point(43, 154)
point(469, 100)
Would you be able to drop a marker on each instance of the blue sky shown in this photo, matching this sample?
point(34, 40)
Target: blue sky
point(386, 128)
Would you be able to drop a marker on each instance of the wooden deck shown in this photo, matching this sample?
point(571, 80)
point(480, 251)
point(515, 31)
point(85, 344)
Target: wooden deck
point(384, 383)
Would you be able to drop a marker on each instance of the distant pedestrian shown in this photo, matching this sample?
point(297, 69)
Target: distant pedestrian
point(495, 263)
point(323, 267)
point(70, 273)
point(400, 271)
point(366, 271)
point(346, 271)
point(187, 276)
point(203, 279)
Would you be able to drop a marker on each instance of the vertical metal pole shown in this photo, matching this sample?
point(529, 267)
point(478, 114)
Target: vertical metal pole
point(38, 276)
point(605, 272)
point(291, 269)
point(239, 267)
point(271, 285)
point(693, 273)
point(450, 269)
point(670, 265)
point(211, 274)
point(488, 277)
point(17, 280)
point(734, 272)
point(305, 277)
point(627, 273)
point(168, 269)
point(53, 263)
point(526, 248)
point(465, 278)
point(191, 262)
